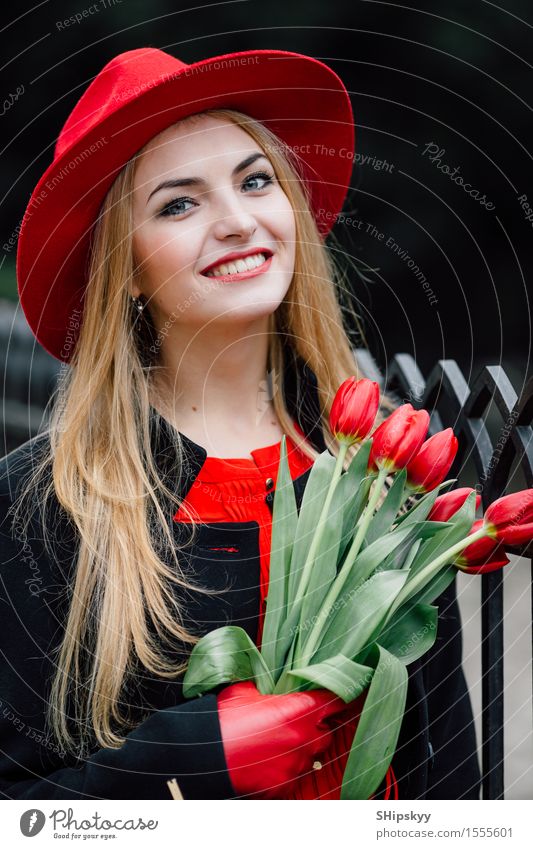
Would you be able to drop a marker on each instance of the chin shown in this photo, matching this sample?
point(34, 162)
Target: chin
point(260, 308)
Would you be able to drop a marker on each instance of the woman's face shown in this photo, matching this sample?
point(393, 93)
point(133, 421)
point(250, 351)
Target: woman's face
point(225, 204)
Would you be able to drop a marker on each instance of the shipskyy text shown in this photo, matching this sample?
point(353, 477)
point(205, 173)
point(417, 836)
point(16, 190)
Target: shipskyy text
point(396, 816)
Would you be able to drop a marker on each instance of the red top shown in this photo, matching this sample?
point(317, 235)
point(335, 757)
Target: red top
point(234, 489)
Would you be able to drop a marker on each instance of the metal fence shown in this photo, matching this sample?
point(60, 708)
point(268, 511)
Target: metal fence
point(29, 375)
point(498, 456)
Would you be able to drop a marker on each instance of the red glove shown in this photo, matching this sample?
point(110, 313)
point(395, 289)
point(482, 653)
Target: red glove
point(325, 783)
point(270, 740)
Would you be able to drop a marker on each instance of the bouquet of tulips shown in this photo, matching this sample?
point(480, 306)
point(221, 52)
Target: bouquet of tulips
point(354, 573)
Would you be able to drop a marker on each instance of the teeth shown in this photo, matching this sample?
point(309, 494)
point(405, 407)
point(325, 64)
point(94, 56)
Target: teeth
point(239, 265)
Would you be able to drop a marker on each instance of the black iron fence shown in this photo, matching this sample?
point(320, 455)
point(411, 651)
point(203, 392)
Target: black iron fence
point(493, 424)
point(29, 375)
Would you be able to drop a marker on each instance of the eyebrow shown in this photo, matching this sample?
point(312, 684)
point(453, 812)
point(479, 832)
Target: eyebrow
point(199, 181)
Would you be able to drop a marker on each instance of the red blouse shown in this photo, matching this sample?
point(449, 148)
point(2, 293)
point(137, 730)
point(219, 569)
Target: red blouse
point(234, 489)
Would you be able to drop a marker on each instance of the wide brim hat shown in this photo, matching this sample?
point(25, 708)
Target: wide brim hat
point(134, 97)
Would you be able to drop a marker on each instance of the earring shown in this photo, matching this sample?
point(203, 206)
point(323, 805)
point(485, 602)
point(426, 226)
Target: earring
point(138, 304)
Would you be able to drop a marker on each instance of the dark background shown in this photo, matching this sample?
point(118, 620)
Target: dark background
point(455, 74)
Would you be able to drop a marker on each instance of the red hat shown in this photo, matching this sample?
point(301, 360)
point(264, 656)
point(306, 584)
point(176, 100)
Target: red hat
point(134, 97)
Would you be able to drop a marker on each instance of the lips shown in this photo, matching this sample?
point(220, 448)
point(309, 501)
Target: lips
point(233, 257)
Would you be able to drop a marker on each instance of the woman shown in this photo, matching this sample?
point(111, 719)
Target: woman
point(144, 512)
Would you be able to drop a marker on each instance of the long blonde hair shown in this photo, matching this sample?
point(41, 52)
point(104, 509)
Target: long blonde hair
point(99, 465)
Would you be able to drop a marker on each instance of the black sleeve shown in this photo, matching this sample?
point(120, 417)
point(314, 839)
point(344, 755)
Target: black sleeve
point(182, 742)
point(453, 765)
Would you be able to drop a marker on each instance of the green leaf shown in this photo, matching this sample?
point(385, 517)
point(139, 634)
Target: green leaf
point(413, 551)
point(378, 729)
point(224, 656)
point(411, 632)
point(370, 558)
point(430, 561)
point(422, 508)
point(403, 555)
point(315, 494)
point(352, 515)
point(286, 638)
point(354, 487)
point(359, 615)
point(385, 516)
point(284, 521)
point(285, 684)
point(324, 569)
point(339, 674)
point(435, 587)
point(455, 529)
point(358, 468)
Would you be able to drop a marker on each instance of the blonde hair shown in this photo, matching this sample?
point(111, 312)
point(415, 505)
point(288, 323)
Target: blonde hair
point(99, 465)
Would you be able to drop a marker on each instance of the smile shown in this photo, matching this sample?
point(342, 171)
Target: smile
point(240, 269)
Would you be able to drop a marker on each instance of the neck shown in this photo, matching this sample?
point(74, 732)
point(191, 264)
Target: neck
point(216, 375)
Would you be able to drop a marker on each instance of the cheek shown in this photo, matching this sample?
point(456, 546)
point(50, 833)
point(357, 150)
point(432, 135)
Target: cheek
point(163, 256)
point(286, 223)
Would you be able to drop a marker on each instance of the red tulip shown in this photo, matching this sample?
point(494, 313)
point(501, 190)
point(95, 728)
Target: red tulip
point(447, 505)
point(396, 441)
point(510, 519)
point(482, 556)
point(432, 463)
point(354, 410)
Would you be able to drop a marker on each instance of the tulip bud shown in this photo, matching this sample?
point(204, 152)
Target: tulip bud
point(354, 410)
point(397, 440)
point(482, 556)
point(510, 519)
point(433, 461)
point(447, 505)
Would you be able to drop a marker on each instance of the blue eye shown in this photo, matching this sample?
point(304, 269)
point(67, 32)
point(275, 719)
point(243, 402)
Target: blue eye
point(173, 203)
point(177, 204)
point(260, 175)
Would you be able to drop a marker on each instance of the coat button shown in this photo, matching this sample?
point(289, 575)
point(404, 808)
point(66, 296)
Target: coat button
point(269, 482)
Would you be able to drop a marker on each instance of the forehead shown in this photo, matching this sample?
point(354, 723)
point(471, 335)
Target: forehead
point(199, 143)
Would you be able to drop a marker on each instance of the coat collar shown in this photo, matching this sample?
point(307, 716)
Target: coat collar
point(301, 395)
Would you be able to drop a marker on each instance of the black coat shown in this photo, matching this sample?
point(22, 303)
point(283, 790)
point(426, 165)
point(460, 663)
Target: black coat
point(436, 753)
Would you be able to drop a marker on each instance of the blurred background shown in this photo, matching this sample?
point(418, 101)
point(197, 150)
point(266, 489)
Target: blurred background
point(441, 199)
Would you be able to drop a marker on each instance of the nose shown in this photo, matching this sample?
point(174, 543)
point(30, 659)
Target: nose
point(232, 219)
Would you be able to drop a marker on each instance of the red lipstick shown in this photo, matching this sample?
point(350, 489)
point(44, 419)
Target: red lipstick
point(235, 255)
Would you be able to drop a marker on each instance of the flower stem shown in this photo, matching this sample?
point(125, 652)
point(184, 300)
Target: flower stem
point(337, 585)
point(365, 519)
point(306, 571)
point(431, 569)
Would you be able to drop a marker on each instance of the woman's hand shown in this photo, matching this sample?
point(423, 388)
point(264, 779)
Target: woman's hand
point(270, 740)
point(326, 782)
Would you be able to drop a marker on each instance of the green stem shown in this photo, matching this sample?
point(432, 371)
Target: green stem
point(366, 518)
point(431, 569)
point(340, 580)
point(407, 494)
point(306, 571)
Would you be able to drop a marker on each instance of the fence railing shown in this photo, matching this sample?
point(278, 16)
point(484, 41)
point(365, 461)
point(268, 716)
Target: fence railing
point(498, 456)
point(29, 375)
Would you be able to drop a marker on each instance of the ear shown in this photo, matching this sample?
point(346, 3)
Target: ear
point(136, 279)
point(134, 288)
